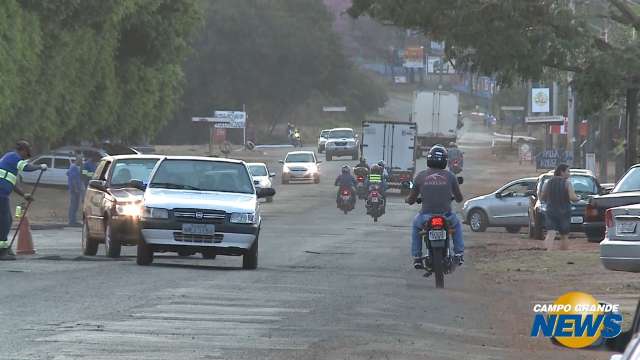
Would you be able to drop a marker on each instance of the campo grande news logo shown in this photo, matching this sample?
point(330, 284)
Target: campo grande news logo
point(576, 320)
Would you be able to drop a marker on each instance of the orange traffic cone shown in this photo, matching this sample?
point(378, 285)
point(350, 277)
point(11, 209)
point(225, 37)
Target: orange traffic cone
point(25, 241)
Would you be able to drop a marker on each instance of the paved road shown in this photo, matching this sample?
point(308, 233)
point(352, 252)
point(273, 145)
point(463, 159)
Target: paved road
point(329, 286)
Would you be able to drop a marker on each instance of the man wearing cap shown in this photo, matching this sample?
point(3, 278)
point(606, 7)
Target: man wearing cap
point(11, 164)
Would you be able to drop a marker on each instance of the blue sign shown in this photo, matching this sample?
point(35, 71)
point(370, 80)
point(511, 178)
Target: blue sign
point(550, 159)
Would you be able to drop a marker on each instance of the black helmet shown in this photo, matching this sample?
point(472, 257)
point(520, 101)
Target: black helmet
point(346, 169)
point(376, 169)
point(437, 157)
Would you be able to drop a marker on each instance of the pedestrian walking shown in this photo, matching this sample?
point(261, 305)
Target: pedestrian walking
point(558, 194)
point(11, 164)
point(76, 190)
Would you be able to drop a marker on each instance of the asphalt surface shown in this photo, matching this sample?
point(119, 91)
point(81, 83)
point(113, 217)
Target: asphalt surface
point(328, 286)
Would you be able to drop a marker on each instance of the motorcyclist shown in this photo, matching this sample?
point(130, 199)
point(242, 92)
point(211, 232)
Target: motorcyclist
point(376, 178)
point(455, 154)
point(363, 164)
point(345, 181)
point(437, 187)
point(385, 173)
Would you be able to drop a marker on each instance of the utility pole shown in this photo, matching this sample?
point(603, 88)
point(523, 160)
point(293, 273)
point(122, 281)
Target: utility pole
point(571, 109)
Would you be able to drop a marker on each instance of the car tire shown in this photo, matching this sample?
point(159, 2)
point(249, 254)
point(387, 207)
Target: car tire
point(112, 245)
point(284, 181)
point(513, 229)
point(316, 180)
point(478, 220)
point(269, 199)
point(209, 255)
point(250, 259)
point(185, 253)
point(89, 243)
point(354, 156)
point(329, 157)
point(594, 236)
point(144, 255)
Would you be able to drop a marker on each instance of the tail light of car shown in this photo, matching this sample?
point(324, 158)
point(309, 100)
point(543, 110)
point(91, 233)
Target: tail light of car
point(608, 218)
point(436, 223)
point(404, 177)
point(592, 213)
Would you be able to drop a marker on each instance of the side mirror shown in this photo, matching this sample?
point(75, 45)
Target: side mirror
point(281, 161)
point(532, 193)
point(460, 180)
point(499, 195)
point(265, 193)
point(318, 162)
point(100, 185)
point(137, 184)
point(272, 174)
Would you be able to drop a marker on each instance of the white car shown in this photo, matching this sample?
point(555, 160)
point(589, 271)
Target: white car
point(261, 177)
point(342, 142)
point(300, 166)
point(322, 140)
point(56, 174)
point(201, 205)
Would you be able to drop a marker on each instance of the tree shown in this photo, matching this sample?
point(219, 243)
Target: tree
point(272, 56)
point(521, 39)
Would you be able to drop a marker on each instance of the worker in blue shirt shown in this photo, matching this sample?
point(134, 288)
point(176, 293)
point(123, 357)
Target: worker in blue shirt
point(11, 164)
point(89, 169)
point(76, 189)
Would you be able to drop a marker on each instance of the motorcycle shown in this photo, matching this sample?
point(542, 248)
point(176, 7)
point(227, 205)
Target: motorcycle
point(455, 166)
point(345, 200)
point(361, 176)
point(375, 203)
point(437, 236)
point(296, 139)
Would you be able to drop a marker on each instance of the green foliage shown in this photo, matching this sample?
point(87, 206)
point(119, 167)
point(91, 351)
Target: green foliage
point(273, 56)
point(77, 70)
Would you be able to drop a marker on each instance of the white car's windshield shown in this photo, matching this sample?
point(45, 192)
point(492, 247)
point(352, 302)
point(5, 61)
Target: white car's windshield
point(299, 158)
point(129, 169)
point(202, 175)
point(258, 170)
point(630, 182)
point(341, 134)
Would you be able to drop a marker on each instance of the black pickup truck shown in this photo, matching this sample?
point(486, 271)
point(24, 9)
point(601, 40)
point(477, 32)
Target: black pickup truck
point(625, 192)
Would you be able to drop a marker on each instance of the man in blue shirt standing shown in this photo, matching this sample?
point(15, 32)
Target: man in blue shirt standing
point(89, 169)
point(11, 164)
point(76, 189)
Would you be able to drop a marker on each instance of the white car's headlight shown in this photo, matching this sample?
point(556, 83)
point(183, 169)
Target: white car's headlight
point(243, 218)
point(129, 209)
point(155, 213)
point(285, 169)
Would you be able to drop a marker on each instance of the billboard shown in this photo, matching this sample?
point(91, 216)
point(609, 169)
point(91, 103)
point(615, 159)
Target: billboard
point(414, 57)
point(230, 119)
point(540, 100)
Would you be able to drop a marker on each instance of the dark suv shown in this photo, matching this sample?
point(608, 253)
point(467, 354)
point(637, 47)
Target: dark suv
point(112, 207)
point(585, 185)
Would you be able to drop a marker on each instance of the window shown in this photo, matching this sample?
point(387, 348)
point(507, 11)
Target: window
point(258, 170)
point(340, 134)
point(300, 158)
point(126, 170)
point(629, 182)
point(101, 170)
point(203, 175)
point(516, 190)
point(43, 160)
point(61, 163)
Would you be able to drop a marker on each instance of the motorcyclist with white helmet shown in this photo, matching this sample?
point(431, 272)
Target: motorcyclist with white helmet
point(438, 187)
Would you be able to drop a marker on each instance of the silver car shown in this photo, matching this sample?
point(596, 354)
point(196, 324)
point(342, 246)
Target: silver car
point(261, 177)
point(322, 140)
point(620, 249)
point(506, 207)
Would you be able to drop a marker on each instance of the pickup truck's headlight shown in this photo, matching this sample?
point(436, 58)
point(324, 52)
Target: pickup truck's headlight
point(131, 209)
point(330, 144)
point(243, 218)
point(155, 213)
point(285, 169)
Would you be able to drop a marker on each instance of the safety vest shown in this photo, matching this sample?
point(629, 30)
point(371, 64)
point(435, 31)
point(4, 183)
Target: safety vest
point(375, 178)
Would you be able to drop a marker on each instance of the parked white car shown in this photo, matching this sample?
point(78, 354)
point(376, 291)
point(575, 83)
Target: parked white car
point(322, 140)
point(261, 177)
point(56, 174)
point(300, 166)
point(620, 249)
point(201, 205)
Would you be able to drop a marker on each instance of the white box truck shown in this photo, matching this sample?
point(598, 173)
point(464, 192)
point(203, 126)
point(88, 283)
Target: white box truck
point(393, 142)
point(436, 115)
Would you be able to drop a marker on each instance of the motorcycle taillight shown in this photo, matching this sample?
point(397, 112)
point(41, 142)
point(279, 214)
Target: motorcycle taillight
point(345, 193)
point(360, 178)
point(374, 194)
point(436, 222)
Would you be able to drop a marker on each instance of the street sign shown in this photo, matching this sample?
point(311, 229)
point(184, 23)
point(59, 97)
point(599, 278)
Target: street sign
point(512, 108)
point(230, 119)
point(544, 120)
point(203, 119)
point(334, 108)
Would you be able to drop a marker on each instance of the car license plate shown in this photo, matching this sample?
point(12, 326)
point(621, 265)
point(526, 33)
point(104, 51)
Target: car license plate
point(577, 219)
point(198, 229)
point(626, 228)
point(375, 199)
point(437, 235)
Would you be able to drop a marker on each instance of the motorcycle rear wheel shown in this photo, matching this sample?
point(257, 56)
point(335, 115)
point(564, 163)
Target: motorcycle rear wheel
point(438, 266)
